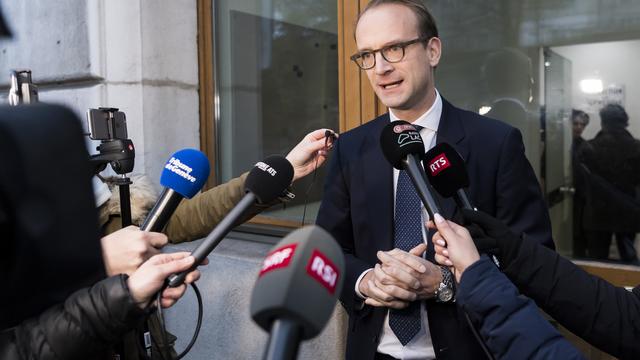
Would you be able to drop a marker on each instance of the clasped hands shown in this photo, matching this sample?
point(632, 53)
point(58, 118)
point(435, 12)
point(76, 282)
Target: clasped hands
point(400, 278)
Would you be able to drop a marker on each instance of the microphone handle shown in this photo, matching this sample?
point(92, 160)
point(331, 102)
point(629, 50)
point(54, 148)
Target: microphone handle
point(462, 200)
point(284, 340)
point(159, 216)
point(419, 179)
point(215, 236)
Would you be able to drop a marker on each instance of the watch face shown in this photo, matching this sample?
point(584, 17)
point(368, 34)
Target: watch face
point(445, 294)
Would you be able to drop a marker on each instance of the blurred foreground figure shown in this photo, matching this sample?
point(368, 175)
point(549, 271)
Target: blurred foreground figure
point(51, 249)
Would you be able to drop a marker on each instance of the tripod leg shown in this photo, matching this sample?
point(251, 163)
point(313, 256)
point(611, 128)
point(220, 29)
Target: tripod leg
point(125, 205)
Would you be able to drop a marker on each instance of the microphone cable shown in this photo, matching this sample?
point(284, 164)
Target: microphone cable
point(477, 336)
point(329, 138)
point(163, 351)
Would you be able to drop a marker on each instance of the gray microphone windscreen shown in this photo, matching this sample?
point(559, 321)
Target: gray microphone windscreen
point(300, 280)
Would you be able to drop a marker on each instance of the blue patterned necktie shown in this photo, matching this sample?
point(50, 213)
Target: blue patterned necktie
point(406, 323)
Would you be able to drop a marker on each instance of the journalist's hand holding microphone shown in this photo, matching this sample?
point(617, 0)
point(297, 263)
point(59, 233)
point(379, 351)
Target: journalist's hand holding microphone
point(453, 245)
point(125, 250)
point(482, 232)
point(311, 152)
point(145, 282)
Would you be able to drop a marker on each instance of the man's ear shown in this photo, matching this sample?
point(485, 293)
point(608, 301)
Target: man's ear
point(434, 51)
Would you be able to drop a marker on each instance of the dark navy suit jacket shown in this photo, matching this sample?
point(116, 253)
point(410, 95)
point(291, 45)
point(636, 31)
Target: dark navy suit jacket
point(357, 209)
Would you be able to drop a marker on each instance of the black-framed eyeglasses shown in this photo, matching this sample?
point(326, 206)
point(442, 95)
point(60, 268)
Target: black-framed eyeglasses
point(392, 53)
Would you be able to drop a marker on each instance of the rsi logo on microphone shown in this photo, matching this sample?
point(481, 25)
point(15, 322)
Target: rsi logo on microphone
point(278, 258)
point(439, 163)
point(323, 270)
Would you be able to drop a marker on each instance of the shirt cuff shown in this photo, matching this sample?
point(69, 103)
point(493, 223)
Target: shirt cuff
point(358, 283)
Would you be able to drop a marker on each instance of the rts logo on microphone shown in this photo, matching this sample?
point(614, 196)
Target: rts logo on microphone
point(323, 270)
point(278, 258)
point(439, 163)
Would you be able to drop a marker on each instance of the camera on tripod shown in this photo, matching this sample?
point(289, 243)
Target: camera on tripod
point(22, 90)
point(110, 127)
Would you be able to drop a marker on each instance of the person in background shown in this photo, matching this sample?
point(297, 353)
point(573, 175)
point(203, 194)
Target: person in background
point(611, 161)
point(579, 121)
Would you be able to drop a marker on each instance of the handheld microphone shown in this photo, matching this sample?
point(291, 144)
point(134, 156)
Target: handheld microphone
point(297, 289)
point(183, 176)
point(403, 147)
point(447, 173)
point(267, 180)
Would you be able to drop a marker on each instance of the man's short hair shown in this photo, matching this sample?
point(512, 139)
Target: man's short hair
point(426, 23)
point(577, 114)
point(614, 116)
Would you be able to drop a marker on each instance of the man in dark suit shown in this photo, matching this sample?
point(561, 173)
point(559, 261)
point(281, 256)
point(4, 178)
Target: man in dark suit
point(398, 300)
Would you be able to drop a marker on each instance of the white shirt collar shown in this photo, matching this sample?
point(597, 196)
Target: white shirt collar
point(430, 119)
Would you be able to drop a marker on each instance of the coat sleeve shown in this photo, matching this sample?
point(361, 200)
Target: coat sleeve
point(510, 324)
point(86, 324)
point(520, 203)
point(195, 218)
point(335, 217)
point(602, 314)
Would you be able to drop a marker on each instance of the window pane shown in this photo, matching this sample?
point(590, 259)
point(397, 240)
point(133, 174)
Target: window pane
point(277, 80)
point(531, 64)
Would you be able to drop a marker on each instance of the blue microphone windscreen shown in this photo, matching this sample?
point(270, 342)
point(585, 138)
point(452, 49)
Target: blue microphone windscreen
point(186, 172)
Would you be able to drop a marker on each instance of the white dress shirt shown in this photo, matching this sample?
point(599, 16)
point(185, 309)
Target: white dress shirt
point(421, 346)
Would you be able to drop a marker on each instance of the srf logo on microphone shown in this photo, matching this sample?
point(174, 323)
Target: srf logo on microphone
point(438, 163)
point(323, 270)
point(278, 258)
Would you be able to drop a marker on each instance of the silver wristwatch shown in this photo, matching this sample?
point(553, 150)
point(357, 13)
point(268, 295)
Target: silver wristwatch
point(446, 289)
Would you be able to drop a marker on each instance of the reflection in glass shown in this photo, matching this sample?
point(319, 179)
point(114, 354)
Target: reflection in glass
point(277, 80)
point(530, 64)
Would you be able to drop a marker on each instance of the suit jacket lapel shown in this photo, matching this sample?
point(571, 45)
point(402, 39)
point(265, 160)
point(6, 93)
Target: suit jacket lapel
point(451, 131)
point(378, 185)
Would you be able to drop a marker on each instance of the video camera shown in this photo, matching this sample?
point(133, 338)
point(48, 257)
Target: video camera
point(22, 90)
point(109, 125)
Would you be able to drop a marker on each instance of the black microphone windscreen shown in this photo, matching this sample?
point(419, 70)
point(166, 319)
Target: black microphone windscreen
point(269, 178)
point(300, 280)
point(446, 169)
point(398, 140)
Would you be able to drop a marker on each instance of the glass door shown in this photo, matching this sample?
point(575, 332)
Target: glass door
point(556, 123)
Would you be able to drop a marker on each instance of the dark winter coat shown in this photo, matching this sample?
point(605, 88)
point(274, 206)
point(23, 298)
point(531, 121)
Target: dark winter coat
point(604, 315)
point(611, 176)
point(83, 327)
point(510, 324)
